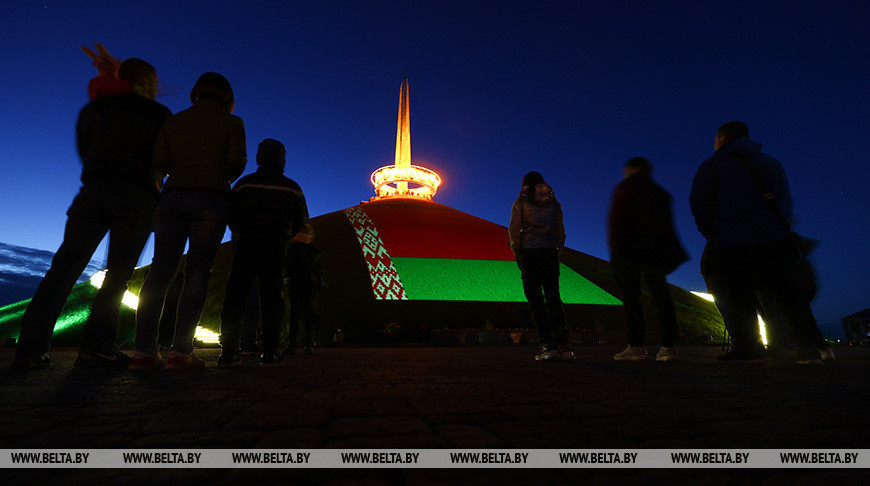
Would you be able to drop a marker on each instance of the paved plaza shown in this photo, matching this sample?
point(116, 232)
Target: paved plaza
point(462, 397)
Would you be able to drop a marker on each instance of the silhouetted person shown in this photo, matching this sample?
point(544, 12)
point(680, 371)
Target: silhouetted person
point(303, 276)
point(203, 150)
point(643, 242)
point(742, 205)
point(115, 137)
point(267, 209)
point(537, 235)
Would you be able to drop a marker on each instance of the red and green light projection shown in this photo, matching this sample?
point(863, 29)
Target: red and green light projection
point(420, 250)
point(415, 249)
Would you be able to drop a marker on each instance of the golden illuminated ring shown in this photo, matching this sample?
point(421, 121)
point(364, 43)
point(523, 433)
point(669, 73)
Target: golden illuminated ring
point(387, 181)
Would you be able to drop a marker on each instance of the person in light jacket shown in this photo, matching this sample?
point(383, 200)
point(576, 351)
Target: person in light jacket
point(537, 234)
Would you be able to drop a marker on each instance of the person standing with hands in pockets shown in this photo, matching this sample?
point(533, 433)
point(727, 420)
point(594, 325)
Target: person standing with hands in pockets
point(537, 235)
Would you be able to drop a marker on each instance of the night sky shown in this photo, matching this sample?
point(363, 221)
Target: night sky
point(570, 89)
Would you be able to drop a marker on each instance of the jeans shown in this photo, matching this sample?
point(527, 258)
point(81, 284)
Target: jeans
point(540, 269)
point(257, 256)
point(124, 210)
point(200, 218)
point(737, 272)
point(627, 272)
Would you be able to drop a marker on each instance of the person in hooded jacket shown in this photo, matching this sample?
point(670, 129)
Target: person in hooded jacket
point(742, 205)
point(537, 235)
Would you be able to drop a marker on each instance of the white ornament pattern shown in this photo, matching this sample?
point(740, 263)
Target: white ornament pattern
point(384, 277)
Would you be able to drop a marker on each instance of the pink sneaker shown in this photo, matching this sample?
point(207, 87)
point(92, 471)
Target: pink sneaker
point(183, 362)
point(145, 362)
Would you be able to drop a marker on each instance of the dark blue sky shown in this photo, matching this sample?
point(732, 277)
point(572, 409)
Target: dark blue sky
point(571, 89)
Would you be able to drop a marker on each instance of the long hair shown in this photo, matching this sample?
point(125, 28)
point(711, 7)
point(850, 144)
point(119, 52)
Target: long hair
point(215, 87)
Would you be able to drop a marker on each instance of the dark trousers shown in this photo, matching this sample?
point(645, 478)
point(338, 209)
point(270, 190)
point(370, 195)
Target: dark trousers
point(734, 276)
point(302, 310)
point(540, 270)
point(628, 272)
point(260, 257)
point(125, 212)
point(201, 219)
point(251, 321)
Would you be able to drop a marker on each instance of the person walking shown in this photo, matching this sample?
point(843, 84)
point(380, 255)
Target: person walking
point(115, 136)
point(202, 149)
point(742, 205)
point(537, 234)
point(643, 243)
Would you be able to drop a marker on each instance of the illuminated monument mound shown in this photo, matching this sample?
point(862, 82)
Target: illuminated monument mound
point(402, 265)
point(403, 258)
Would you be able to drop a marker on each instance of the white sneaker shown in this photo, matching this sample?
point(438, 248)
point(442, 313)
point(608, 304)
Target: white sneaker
point(547, 353)
point(667, 354)
point(827, 353)
point(632, 353)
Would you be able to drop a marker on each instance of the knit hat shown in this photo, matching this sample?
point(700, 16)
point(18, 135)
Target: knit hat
point(271, 152)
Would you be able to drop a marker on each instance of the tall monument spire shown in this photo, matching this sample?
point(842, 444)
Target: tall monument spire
point(403, 127)
point(393, 180)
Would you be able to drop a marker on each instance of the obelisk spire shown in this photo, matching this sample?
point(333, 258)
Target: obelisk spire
point(403, 127)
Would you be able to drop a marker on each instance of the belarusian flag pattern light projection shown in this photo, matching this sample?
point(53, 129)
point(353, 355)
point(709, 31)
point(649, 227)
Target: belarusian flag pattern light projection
point(428, 251)
point(385, 280)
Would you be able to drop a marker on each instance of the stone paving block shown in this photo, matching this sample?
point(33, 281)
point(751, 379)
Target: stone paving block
point(686, 412)
point(292, 438)
point(272, 416)
point(385, 390)
point(469, 436)
point(376, 426)
point(445, 403)
point(539, 434)
point(414, 441)
point(169, 422)
point(186, 439)
point(343, 391)
point(391, 406)
point(358, 407)
point(33, 422)
point(318, 396)
point(557, 410)
point(750, 433)
point(353, 407)
point(373, 373)
point(414, 390)
point(514, 397)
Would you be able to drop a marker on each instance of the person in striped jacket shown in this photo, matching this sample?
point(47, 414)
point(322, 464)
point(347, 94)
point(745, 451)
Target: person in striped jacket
point(266, 210)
